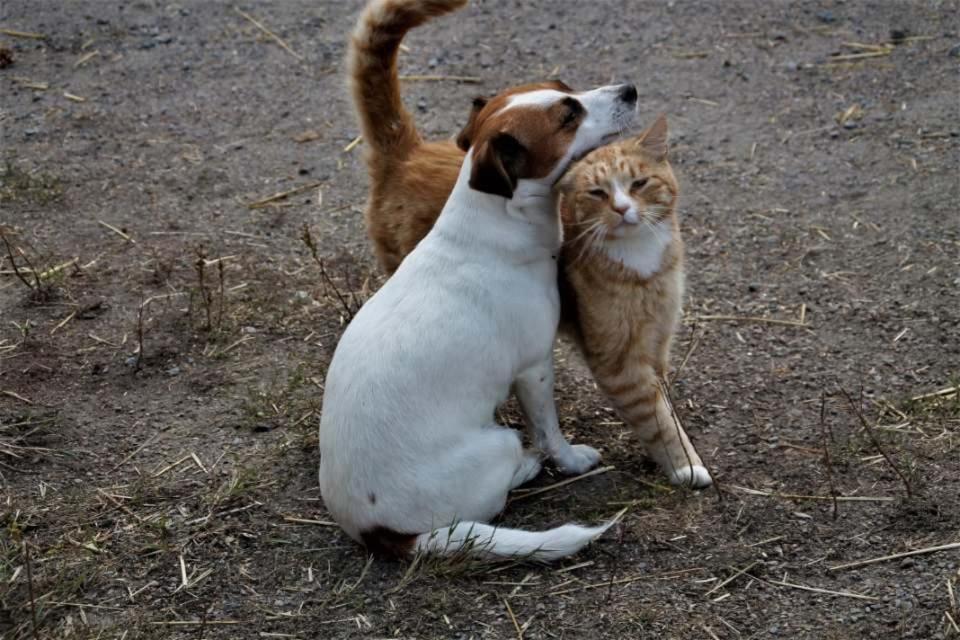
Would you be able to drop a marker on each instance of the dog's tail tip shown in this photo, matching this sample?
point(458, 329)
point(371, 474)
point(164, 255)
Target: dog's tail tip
point(484, 540)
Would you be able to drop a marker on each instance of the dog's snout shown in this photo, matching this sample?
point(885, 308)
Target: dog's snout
point(628, 93)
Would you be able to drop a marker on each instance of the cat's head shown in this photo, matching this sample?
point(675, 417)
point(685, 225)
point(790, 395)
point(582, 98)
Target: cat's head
point(620, 190)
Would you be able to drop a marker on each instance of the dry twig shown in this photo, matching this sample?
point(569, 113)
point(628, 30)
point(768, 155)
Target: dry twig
point(917, 552)
point(517, 495)
point(269, 33)
point(876, 443)
point(826, 450)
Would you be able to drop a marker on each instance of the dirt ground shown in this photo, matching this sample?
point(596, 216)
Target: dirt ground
point(162, 359)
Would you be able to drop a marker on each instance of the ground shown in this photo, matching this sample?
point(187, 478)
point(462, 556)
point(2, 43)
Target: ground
point(162, 357)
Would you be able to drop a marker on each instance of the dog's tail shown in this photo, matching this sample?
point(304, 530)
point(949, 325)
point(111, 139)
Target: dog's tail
point(487, 541)
point(386, 125)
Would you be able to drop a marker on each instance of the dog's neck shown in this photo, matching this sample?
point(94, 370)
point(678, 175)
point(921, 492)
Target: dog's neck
point(527, 223)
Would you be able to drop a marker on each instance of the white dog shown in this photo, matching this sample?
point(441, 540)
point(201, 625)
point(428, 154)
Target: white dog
point(411, 457)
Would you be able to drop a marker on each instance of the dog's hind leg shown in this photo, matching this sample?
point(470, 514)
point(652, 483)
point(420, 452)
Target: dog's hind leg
point(528, 469)
point(534, 389)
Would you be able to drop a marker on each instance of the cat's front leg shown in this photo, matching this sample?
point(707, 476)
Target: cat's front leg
point(534, 389)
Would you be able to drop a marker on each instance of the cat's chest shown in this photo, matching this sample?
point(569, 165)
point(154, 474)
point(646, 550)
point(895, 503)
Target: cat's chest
point(643, 254)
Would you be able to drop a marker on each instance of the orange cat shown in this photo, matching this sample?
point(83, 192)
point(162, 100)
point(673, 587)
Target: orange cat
point(623, 262)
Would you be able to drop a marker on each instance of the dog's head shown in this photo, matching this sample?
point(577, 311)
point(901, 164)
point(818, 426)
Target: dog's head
point(535, 131)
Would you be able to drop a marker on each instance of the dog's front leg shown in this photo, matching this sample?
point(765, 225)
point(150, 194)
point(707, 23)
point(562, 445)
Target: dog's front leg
point(534, 388)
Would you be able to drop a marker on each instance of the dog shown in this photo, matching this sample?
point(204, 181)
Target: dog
point(411, 457)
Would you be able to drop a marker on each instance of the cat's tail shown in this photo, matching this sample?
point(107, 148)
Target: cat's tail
point(487, 541)
point(387, 127)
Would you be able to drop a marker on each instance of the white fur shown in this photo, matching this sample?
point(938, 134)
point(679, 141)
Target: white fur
point(641, 249)
point(695, 477)
point(407, 436)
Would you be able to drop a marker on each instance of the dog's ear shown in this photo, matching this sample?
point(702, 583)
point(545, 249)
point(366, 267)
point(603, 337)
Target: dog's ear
point(497, 164)
point(465, 139)
point(560, 85)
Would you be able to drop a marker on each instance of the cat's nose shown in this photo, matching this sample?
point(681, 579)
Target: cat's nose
point(620, 208)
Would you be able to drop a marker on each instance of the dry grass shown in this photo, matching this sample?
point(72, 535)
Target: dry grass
point(159, 407)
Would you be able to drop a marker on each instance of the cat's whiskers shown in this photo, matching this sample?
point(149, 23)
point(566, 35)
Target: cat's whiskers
point(593, 225)
point(598, 238)
point(595, 231)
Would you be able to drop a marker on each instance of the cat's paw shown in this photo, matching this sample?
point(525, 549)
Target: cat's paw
point(578, 459)
point(695, 477)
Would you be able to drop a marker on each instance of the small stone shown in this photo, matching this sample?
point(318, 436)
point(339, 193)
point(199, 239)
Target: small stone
point(826, 17)
point(173, 371)
point(32, 131)
point(164, 38)
point(897, 36)
point(791, 66)
point(954, 51)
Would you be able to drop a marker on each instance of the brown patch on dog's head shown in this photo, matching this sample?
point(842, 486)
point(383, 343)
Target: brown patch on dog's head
point(523, 141)
point(465, 139)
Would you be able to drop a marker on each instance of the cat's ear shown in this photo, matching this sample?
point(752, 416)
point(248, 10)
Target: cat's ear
point(498, 163)
point(465, 139)
point(566, 183)
point(654, 139)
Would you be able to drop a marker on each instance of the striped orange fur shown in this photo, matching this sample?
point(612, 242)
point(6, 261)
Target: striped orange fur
point(623, 262)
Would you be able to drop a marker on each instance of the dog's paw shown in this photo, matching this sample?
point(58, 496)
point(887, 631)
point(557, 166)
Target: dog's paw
point(580, 458)
point(695, 477)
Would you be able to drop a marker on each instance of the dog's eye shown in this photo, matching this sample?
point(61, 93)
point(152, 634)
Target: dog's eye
point(638, 184)
point(599, 194)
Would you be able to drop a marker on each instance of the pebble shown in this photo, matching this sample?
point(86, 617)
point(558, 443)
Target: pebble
point(954, 51)
point(173, 371)
point(826, 16)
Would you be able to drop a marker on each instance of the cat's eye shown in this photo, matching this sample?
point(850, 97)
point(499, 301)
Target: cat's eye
point(638, 184)
point(600, 194)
